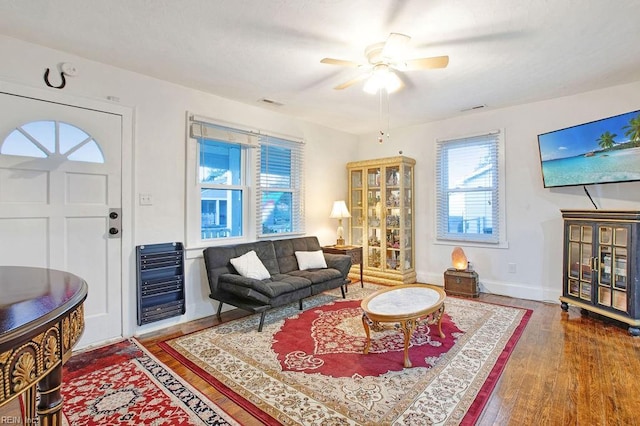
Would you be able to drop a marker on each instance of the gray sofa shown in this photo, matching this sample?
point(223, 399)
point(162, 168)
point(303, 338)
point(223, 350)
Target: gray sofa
point(287, 282)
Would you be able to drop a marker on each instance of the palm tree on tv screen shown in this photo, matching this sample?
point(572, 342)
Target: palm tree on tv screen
point(606, 140)
point(632, 130)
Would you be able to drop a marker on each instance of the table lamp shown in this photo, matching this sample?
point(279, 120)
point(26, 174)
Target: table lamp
point(340, 211)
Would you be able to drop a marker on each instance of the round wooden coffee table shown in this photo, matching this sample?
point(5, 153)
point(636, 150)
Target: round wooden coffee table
point(405, 305)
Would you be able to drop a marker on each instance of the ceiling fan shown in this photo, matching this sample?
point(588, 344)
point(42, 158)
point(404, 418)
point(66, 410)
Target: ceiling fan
point(384, 59)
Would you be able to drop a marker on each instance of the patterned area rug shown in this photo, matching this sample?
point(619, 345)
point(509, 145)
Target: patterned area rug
point(334, 345)
point(122, 384)
point(450, 382)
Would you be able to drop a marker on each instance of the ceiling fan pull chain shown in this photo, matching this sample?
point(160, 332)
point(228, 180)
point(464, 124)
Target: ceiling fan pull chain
point(381, 137)
point(388, 116)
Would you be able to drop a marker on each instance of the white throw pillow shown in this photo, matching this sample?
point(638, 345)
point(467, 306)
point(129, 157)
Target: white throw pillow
point(250, 266)
point(310, 260)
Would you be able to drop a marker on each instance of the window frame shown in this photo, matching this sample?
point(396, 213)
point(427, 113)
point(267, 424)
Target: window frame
point(249, 139)
point(497, 239)
point(242, 187)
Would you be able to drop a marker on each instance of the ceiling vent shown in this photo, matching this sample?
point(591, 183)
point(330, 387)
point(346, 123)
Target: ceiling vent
point(474, 108)
point(270, 102)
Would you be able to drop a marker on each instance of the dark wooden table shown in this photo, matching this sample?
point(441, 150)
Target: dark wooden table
point(354, 251)
point(41, 319)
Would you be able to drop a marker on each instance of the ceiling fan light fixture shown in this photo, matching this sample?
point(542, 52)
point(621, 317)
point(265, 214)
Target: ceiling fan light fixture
point(382, 78)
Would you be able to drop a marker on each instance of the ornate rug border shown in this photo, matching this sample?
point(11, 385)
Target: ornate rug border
point(147, 363)
point(220, 411)
point(221, 387)
point(477, 407)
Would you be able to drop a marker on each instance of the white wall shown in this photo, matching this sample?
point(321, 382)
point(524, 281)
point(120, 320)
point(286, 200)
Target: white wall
point(534, 222)
point(159, 111)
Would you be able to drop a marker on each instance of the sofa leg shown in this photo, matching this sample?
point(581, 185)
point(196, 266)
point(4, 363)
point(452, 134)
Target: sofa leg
point(342, 290)
point(300, 303)
point(261, 320)
point(219, 310)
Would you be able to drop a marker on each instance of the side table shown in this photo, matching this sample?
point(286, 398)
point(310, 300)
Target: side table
point(41, 319)
point(461, 283)
point(354, 251)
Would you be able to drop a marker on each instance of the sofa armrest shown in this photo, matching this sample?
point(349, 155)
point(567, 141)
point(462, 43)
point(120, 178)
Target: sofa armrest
point(341, 262)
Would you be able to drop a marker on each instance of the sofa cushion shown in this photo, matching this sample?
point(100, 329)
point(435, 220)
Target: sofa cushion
point(310, 259)
point(250, 266)
point(285, 251)
point(275, 286)
point(317, 275)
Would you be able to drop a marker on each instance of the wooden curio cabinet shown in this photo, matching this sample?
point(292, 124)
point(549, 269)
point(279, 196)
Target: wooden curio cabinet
point(601, 264)
point(381, 205)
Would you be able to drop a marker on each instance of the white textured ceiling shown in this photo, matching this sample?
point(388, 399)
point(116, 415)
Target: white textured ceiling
point(502, 52)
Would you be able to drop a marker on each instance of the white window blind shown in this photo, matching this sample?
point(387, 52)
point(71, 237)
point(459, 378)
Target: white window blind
point(280, 186)
point(468, 182)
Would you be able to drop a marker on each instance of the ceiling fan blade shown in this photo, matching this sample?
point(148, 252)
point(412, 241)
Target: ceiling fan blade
point(351, 82)
point(340, 62)
point(424, 63)
point(395, 45)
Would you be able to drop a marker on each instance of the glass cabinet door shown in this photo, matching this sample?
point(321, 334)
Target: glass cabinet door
point(374, 219)
point(580, 258)
point(392, 217)
point(356, 204)
point(620, 269)
point(597, 260)
point(406, 216)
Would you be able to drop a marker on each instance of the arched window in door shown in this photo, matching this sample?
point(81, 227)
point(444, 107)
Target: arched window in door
point(48, 138)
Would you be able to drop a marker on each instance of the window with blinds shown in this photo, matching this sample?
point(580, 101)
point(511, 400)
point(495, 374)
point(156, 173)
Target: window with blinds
point(241, 183)
point(469, 189)
point(222, 179)
point(279, 187)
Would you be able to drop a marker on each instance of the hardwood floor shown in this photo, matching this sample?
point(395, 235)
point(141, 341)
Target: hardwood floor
point(567, 369)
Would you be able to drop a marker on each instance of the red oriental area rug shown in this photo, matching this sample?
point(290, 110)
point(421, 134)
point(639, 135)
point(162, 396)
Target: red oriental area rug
point(307, 368)
point(122, 384)
point(329, 340)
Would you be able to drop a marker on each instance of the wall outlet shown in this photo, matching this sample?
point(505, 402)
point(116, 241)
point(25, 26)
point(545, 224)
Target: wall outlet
point(512, 268)
point(145, 199)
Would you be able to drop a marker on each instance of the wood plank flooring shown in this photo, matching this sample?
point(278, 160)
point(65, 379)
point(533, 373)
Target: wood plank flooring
point(567, 369)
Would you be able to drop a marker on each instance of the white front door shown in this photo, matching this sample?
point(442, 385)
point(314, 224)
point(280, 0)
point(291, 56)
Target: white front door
point(60, 178)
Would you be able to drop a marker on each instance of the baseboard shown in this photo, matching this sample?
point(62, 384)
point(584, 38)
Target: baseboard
point(503, 288)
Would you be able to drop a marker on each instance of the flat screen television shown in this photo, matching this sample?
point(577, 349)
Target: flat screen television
point(602, 151)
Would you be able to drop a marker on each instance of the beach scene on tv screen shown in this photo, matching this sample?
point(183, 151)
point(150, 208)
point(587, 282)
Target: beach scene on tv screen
point(602, 151)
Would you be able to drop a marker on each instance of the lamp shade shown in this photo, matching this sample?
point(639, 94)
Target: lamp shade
point(382, 78)
point(339, 210)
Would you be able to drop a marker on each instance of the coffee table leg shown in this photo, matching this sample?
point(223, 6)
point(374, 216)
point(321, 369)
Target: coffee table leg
point(407, 330)
point(440, 314)
point(365, 324)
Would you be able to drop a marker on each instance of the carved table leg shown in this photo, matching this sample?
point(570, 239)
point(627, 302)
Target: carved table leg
point(50, 405)
point(29, 400)
point(407, 329)
point(439, 315)
point(365, 324)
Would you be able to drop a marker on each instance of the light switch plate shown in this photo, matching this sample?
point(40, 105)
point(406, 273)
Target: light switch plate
point(145, 200)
